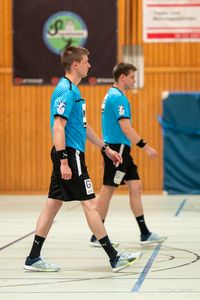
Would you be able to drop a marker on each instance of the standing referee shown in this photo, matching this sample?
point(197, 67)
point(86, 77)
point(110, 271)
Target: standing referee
point(70, 180)
point(119, 134)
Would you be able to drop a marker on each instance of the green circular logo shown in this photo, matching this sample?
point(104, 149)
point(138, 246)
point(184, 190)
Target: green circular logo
point(64, 28)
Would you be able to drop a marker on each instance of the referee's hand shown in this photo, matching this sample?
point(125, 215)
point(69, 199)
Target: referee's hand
point(114, 156)
point(151, 152)
point(65, 170)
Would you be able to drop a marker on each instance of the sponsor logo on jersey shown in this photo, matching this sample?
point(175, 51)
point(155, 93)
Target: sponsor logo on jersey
point(121, 110)
point(61, 107)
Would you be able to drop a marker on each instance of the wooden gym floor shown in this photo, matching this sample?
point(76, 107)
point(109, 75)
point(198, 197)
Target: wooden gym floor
point(167, 271)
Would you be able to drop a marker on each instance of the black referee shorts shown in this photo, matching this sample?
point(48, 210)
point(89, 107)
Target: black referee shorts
point(114, 176)
point(79, 187)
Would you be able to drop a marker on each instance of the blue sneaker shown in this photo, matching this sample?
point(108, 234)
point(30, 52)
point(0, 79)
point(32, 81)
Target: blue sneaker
point(39, 265)
point(152, 238)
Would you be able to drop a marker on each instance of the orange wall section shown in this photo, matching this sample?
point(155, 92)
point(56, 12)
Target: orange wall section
point(25, 165)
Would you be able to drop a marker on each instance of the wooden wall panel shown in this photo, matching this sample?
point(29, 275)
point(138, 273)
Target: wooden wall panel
point(25, 166)
point(172, 55)
point(25, 137)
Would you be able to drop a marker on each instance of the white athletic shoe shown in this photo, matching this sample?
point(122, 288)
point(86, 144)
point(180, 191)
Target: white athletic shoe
point(40, 265)
point(124, 260)
point(153, 238)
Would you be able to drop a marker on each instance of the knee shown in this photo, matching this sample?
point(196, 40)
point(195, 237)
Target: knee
point(54, 205)
point(136, 188)
point(90, 205)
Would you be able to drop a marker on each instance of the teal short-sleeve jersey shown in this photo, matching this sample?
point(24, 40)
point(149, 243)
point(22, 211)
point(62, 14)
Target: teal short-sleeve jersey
point(115, 107)
point(67, 103)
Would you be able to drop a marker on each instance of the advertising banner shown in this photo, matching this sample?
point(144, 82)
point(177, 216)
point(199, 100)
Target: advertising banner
point(42, 28)
point(171, 21)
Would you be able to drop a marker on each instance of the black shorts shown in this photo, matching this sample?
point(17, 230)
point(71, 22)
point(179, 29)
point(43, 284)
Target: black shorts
point(114, 176)
point(79, 187)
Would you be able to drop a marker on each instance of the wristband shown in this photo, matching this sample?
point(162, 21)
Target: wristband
point(141, 143)
point(62, 154)
point(103, 149)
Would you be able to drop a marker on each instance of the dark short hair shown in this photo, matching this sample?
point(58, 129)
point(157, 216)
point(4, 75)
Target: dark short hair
point(72, 54)
point(122, 68)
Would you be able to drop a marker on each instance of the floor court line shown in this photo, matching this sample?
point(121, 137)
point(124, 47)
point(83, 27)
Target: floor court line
point(32, 232)
point(146, 269)
point(180, 207)
point(16, 241)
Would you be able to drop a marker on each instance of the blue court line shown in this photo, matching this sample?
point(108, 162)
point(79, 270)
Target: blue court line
point(146, 269)
point(180, 207)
